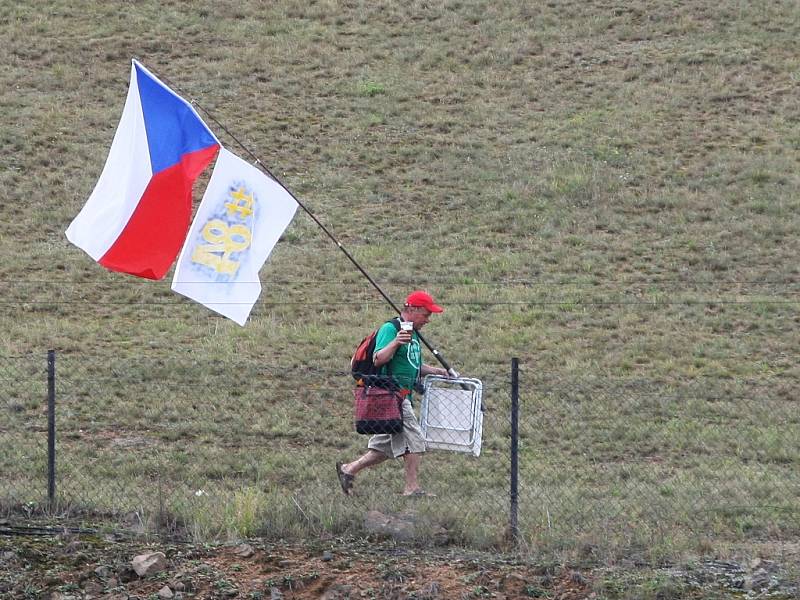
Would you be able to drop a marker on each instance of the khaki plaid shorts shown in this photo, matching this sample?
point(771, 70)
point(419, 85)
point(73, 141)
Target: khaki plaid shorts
point(397, 444)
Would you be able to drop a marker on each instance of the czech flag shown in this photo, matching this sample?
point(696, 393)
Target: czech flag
point(137, 217)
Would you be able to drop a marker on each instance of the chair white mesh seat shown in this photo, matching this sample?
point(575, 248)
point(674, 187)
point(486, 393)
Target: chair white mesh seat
point(450, 415)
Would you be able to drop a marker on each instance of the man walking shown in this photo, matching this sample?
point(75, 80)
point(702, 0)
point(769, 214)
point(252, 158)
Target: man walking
point(400, 354)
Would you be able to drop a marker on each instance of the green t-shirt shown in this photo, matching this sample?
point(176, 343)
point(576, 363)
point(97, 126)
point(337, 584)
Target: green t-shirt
point(407, 360)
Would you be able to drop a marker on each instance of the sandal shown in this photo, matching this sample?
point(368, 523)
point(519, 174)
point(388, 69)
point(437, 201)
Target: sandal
point(420, 494)
point(345, 479)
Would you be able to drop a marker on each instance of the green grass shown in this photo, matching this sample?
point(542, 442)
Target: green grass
point(609, 193)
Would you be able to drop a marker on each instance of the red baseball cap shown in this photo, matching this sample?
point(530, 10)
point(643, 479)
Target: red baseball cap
point(423, 299)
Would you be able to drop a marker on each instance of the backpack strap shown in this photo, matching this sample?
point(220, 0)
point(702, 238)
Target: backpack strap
point(388, 366)
point(396, 322)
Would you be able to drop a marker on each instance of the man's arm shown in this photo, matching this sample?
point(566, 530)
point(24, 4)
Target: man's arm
point(383, 355)
point(431, 370)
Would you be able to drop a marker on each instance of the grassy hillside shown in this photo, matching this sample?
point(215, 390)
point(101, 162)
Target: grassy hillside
point(602, 189)
point(593, 187)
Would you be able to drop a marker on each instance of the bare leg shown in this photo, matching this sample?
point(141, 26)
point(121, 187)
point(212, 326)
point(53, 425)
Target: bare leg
point(371, 458)
point(411, 465)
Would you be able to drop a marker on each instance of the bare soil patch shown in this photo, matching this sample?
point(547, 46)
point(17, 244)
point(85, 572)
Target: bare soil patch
point(66, 566)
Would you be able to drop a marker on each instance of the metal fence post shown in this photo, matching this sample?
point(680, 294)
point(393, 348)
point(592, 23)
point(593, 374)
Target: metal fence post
point(513, 517)
point(51, 428)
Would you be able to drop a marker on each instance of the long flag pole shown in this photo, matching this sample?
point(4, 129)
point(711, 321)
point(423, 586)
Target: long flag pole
point(314, 218)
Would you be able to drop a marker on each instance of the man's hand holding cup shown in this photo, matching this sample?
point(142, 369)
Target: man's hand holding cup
point(404, 335)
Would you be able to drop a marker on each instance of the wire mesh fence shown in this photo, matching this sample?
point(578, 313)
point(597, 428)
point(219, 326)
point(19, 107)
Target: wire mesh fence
point(211, 449)
point(23, 430)
point(631, 463)
point(219, 447)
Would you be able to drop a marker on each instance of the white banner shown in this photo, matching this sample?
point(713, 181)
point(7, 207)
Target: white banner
point(239, 221)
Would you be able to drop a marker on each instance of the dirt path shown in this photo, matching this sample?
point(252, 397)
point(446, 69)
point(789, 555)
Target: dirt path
point(71, 567)
point(65, 566)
